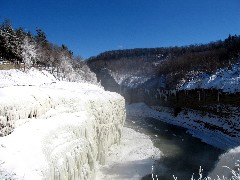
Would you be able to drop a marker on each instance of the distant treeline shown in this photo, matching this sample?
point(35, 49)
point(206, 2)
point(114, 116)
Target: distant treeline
point(173, 62)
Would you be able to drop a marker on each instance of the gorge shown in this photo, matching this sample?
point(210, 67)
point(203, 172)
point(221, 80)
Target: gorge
point(205, 102)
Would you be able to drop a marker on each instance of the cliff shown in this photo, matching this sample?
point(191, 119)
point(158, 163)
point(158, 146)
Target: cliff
point(56, 130)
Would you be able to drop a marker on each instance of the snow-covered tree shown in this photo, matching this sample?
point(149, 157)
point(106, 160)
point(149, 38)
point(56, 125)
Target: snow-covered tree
point(28, 52)
point(9, 42)
point(21, 46)
point(66, 68)
point(83, 73)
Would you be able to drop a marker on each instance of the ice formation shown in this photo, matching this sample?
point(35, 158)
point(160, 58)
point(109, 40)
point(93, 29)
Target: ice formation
point(56, 130)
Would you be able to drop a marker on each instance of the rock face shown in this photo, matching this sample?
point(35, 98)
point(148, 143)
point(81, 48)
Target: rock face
point(107, 81)
point(57, 131)
point(133, 89)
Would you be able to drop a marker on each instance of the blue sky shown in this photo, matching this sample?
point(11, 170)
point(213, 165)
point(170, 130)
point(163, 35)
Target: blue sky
point(89, 27)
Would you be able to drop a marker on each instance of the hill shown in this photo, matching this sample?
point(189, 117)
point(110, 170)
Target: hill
point(172, 65)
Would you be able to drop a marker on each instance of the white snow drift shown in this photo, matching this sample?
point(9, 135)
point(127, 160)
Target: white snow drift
point(59, 130)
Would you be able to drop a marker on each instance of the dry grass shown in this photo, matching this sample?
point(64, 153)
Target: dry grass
point(10, 66)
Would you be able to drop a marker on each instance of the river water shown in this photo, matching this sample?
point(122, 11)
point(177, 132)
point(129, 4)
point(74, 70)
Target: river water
point(183, 154)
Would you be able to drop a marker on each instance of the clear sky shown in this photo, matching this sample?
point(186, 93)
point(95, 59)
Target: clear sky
point(89, 27)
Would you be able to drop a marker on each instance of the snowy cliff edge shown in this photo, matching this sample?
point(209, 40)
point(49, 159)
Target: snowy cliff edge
point(56, 130)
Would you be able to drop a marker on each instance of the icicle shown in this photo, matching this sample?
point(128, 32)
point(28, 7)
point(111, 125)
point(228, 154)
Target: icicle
point(199, 95)
point(219, 93)
point(173, 92)
point(146, 91)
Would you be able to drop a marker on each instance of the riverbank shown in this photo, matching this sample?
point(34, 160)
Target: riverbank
point(182, 153)
point(187, 121)
point(219, 132)
point(133, 158)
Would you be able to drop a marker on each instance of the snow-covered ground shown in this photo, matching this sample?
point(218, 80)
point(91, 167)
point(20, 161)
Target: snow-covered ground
point(226, 79)
point(32, 77)
point(132, 159)
point(63, 130)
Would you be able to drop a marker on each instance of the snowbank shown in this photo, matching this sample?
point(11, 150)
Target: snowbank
point(32, 77)
point(59, 130)
point(227, 79)
point(132, 159)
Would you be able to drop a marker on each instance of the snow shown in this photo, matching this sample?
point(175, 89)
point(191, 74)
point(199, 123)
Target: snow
point(132, 159)
point(129, 80)
point(226, 79)
point(31, 77)
point(53, 129)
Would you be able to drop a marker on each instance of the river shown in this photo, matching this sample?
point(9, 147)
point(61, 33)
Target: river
point(183, 154)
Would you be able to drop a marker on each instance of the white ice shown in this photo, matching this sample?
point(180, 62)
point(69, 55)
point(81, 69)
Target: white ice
point(55, 130)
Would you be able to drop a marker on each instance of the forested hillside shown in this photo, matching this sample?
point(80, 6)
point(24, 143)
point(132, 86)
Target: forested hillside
point(173, 63)
point(21, 49)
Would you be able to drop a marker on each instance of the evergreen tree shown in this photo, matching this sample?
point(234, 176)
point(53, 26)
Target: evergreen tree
point(10, 43)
